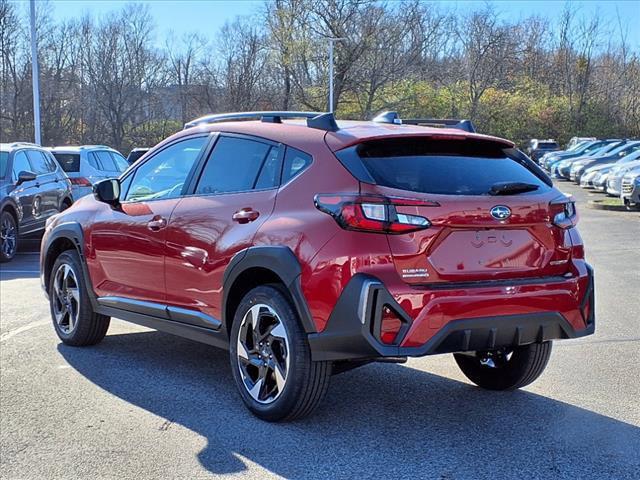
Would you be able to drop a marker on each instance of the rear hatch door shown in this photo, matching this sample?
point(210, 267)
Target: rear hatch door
point(489, 208)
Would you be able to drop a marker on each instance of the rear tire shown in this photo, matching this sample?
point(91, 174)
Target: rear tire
point(271, 359)
point(505, 369)
point(74, 320)
point(8, 237)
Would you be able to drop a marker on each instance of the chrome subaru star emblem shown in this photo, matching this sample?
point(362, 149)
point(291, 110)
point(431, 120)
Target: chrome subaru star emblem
point(500, 212)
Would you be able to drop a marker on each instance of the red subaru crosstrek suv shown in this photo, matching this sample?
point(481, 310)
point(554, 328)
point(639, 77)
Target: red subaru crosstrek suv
point(308, 247)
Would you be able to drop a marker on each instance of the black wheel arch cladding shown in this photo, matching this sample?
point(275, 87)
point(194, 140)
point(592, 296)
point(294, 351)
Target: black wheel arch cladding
point(279, 260)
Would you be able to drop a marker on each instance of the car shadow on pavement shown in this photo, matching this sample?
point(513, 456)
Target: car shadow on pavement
point(383, 420)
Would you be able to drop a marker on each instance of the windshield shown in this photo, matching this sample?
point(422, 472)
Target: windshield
point(631, 157)
point(4, 160)
point(625, 149)
point(602, 149)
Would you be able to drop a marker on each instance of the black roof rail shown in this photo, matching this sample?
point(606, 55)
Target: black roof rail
point(466, 125)
point(319, 120)
point(393, 118)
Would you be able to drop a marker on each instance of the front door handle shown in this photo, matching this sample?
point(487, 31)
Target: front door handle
point(156, 223)
point(245, 215)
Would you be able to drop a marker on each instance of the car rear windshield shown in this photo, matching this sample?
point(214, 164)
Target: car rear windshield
point(70, 162)
point(440, 167)
point(4, 160)
point(547, 145)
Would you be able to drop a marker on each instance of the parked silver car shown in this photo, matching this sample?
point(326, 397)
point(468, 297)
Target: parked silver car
point(614, 179)
point(631, 189)
point(88, 164)
point(597, 176)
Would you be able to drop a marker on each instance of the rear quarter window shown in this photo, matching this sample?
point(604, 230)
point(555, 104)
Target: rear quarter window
point(70, 162)
point(295, 162)
point(457, 167)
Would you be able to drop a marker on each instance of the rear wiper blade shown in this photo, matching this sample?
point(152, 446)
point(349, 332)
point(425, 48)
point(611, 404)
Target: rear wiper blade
point(510, 188)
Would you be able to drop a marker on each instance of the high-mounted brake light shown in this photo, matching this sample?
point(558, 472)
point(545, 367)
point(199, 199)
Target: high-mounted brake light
point(373, 213)
point(564, 212)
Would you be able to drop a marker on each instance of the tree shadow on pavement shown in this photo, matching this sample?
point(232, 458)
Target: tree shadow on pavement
point(383, 421)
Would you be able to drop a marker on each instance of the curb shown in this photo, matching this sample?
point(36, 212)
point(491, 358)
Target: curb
point(598, 205)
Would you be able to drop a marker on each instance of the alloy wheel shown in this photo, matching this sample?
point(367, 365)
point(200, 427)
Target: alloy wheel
point(66, 298)
point(263, 353)
point(495, 359)
point(8, 236)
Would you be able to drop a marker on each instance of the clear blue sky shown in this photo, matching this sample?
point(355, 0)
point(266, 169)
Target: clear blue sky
point(207, 17)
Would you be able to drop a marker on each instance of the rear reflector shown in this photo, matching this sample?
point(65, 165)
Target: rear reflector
point(389, 327)
point(372, 213)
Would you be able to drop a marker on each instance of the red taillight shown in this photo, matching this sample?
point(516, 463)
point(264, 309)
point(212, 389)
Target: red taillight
point(80, 181)
point(373, 213)
point(563, 212)
point(390, 326)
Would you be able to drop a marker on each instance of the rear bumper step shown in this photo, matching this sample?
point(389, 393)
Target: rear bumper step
point(352, 331)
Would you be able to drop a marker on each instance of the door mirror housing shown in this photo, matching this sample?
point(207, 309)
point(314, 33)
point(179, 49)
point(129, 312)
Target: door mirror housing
point(107, 191)
point(25, 176)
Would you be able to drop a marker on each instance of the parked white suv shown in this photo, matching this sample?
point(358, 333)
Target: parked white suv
point(88, 164)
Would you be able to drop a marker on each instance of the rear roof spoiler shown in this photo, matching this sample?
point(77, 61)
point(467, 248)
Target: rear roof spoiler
point(393, 118)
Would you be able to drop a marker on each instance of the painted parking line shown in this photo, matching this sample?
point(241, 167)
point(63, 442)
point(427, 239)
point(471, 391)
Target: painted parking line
point(2, 270)
point(6, 336)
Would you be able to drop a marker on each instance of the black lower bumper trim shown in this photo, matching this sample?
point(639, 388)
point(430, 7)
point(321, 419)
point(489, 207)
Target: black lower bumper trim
point(349, 334)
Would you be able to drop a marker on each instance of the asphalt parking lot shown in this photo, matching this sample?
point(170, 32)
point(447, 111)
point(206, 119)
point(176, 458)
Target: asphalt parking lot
point(143, 404)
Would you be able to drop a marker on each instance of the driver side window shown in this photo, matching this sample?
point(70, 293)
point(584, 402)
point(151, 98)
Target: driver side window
point(163, 175)
point(20, 164)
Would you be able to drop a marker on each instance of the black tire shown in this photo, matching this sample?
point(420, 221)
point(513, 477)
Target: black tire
point(525, 365)
point(9, 237)
point(66, 203)
point(306, 381)
point(89, 327)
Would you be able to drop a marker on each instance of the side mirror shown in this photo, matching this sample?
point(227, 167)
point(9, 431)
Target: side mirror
point(107, 191)
point(25, 176)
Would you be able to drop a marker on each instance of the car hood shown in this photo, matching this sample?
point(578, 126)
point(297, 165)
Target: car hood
point(625, 167)
point(571, 161)
point(632, 175)
point(600, 168)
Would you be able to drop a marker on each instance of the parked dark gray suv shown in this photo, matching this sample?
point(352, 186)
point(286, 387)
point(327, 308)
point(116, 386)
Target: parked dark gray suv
point(33, 187)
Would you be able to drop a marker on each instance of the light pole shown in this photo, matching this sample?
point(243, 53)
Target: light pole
point(332, 40)
point(35, 76)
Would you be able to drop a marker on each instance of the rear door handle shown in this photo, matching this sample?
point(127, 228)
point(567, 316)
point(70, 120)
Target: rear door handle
point(245, 215)
point(156, 223)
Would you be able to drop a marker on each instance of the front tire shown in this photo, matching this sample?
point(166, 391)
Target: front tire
point(505, 369)
point(271, 359)
point(8, 237)
point(74, 320)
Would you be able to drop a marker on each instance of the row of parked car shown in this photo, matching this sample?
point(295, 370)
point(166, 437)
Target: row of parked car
point(611, 166)
point(36, 183)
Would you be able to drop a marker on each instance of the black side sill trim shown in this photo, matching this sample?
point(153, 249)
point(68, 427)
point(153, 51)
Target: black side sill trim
point(191, 332)
point(161, 311)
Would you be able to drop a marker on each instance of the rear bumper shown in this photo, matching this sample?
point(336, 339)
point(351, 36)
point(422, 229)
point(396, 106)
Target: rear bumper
point(456, 319)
